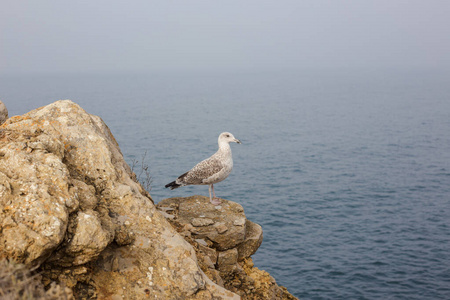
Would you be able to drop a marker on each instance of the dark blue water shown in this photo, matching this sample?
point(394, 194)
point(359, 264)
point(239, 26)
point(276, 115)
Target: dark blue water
point(347, 172)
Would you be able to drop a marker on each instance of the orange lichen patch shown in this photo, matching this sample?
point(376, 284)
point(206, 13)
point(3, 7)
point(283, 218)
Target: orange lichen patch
point(67, 146)
point(15, 119)
point(6, 208)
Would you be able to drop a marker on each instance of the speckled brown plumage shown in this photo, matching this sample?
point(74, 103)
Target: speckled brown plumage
point(211, 170)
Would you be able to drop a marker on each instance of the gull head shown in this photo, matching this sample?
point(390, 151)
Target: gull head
point(228, 138)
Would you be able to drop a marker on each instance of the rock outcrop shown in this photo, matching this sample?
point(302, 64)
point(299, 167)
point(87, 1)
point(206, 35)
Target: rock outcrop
point(224, 240)
point(71, 206)
point(3, 113)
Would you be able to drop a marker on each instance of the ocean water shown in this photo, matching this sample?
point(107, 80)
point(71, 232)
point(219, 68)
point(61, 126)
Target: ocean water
point(348, 172)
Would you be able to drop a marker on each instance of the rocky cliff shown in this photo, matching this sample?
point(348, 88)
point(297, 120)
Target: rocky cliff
point(3, 113)
point(71, 206)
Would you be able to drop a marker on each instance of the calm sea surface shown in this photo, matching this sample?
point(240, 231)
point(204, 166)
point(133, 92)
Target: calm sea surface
point(347, 172)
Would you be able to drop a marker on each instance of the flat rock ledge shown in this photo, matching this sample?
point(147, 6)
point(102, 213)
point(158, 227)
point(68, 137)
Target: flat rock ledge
point(224, 240)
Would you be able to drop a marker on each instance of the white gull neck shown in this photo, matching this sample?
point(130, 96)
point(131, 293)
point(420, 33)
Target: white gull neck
point(224, 146)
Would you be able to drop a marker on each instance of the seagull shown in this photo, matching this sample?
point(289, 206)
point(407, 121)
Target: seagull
point(211, 170)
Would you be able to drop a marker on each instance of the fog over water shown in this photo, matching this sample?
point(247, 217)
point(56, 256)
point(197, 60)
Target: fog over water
point(82, 36)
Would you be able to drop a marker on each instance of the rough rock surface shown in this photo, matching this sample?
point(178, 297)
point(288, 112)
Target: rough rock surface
point(224, 240)
point(3, 113)
point(69, 204)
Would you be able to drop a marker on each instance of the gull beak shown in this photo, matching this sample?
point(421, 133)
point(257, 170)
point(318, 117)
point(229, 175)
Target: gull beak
point(237, 141)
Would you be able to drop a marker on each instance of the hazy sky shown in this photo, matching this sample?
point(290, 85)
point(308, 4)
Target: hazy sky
point(143, 35)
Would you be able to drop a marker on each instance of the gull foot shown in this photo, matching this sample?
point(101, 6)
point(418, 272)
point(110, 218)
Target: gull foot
point(216, 201)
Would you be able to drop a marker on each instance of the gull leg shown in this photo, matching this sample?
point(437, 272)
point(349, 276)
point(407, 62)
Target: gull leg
point(215, 200)
point(210, 196)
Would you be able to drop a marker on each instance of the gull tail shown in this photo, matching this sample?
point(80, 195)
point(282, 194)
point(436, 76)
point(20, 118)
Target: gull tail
point(172, 185)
